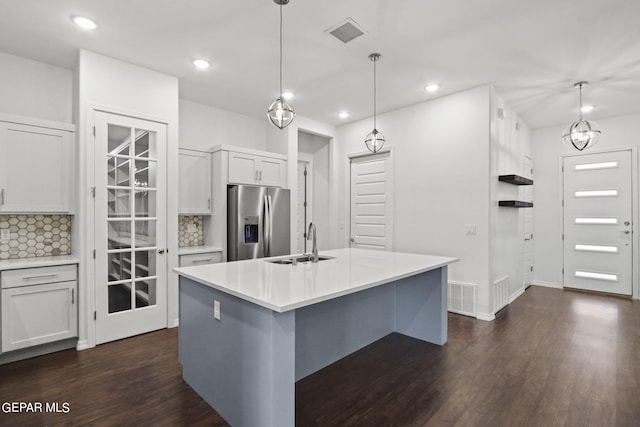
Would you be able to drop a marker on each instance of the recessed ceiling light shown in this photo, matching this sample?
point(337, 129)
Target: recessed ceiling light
point(201, 64)
point(343, 114)
point(587, 108)
point(84, 23)
point(431, 88)
point(288, 96)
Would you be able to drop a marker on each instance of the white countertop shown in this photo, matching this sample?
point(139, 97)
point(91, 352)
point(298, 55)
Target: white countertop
point(282, 287)
point(45, 261)
point(191, 250)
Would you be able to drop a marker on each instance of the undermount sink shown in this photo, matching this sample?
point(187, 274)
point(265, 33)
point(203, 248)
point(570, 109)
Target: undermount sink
point(297, 259)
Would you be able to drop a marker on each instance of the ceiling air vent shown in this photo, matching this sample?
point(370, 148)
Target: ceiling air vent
point(346, 31)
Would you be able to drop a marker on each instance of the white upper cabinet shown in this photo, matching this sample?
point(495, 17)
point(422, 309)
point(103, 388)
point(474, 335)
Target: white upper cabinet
point(257, 170)
point(36, 168)
point(194, 182)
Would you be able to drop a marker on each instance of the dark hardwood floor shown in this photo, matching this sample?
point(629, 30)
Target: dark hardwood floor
point(552, 358)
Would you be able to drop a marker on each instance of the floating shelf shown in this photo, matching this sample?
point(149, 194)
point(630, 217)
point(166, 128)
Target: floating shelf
point(515, 204)
point(515, 179)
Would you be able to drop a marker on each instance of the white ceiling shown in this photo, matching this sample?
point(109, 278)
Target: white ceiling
point(532, 51)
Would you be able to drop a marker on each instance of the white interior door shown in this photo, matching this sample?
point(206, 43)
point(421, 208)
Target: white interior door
point(130, 224)
point(371, 202)
point(597, 222)
point(527, 215)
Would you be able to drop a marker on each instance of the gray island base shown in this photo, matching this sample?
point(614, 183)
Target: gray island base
point(245, 365)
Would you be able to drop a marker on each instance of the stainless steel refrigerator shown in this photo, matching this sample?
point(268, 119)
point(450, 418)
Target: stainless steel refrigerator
point(258, 222)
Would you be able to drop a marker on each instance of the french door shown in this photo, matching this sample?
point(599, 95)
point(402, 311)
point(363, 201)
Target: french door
point(598, 201)
point(371, 202)
point(130, 224)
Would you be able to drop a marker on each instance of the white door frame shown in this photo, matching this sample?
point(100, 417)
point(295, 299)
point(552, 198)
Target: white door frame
point(635, 240)
point(85, 240)
point(308, 159)
point(348, 159)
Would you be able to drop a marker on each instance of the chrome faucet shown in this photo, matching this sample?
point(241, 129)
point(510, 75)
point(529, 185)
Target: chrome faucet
point(314, 237)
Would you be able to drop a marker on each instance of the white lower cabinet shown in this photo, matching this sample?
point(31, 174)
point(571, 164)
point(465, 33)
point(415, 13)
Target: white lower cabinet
point(201, 258)
point(39, 305)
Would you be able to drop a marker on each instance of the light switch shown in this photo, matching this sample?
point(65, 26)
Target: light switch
point(191, 228)
point(471, 229)
point(5, 235)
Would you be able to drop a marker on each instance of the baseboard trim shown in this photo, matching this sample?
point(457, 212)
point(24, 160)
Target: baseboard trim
point(487, 317)
point(82, 345)
point(175, 323)
point(516, 294)
point(546, 284)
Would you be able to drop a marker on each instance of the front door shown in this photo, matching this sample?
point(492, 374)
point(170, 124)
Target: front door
point(371, 202)
point(597, 222)
point(130, 223)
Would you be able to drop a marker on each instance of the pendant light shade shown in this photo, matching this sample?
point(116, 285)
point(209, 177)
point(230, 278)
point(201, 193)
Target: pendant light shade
point(583, 133)
point(280, 113)
point(374, 140)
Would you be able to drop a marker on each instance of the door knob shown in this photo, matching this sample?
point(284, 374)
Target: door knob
point(160, 251)
point(352, 240)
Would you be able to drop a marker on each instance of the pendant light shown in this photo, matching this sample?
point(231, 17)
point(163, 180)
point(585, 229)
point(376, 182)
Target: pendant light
point(280, 112)
point(583, 133)
point(374, 140)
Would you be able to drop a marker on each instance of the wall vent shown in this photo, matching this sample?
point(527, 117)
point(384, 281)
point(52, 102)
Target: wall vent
point(346, 30)
point(462, 298)
point(500, 293)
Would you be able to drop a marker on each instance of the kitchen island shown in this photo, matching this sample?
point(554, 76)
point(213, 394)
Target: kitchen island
point(250, 329)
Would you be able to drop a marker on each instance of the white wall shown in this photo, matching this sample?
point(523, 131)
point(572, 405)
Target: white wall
point(510, 142)
point(617, 133)
point(442, 173)
point(203, 126)
point(127, 89)
point(34, 89)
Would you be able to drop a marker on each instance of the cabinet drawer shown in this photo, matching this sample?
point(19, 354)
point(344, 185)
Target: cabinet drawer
point(37, 276)
point(199, 259)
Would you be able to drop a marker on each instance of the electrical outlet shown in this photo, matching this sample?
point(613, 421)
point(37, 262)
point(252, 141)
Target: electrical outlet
point(191, 228)
point(471, 229)
point(216, 309)
point(5, 235)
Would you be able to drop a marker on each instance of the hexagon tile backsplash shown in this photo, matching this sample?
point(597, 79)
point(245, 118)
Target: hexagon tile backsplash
point(190, 230)
point(35, 236)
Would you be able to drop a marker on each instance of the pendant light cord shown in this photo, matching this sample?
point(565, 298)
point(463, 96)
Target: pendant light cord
point(280, 52)
point(374, 93)
point(581, 101)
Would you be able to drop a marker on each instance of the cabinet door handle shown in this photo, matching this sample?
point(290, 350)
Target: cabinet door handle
point(208, 203)
point(197, 261)
point(260, 175)
point(256, 174)
point(73, 296)
point(41, 276)
point(2, 197)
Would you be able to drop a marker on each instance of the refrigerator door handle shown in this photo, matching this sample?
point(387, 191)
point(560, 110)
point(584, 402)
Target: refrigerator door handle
point(270, 223)
point(265, 227)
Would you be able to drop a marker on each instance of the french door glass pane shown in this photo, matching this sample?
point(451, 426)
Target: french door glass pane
point(118, 203)
point(145, 203)
point(119, 232)
point(118, 140)
point(119, 297)
point(119, 266)
point(145, 293)
point(118, 171)
point(145, 263)
point(145, 233)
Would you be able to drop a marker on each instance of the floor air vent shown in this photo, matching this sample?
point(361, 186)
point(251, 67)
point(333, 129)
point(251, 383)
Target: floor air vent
point(346, 31)
point(462, 298)
point(500, 293)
